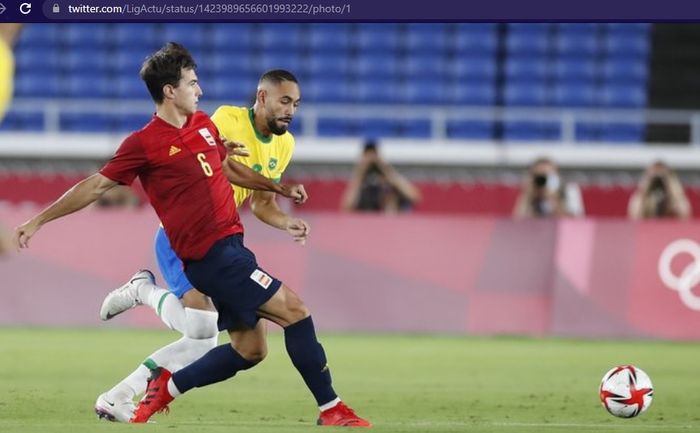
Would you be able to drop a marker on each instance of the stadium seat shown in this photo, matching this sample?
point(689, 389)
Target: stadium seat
point(273, 37)
point(471, 66)
point(129, 87)
point(528, 67)
point(576, 69)
point(578, 45)
point(128, 122)
point(375, 92)
point(232, 37)
point(423, 92)
point(537, 43)
point(232, 63)
point(622, 132)
point(89, 85)
point(578, 28)
point(639, 29)
point(473, 92)
point(378, 128)
point(413, 128)
point(234, 92)
point(136, 35)
point(22, 121)
point(423, 66)
point(375, 65)
point(42, 36)
point(331, 127)
point(623, 96)
point(470, 129)
point(574, 94)
point(329, 90)
point(82, 60)
point(37, 84)
point(474, 39)
point(530, 131)
point(422, 38)
point(525, 93)
point(623, 46)
point(625, 71)
point(377, 37)
point(290, 61)
point(85, 35)
point(322, 65)
point(585, 131)
point(333, 37)
point(190, 34)
point(37, 59)
point(94, 122)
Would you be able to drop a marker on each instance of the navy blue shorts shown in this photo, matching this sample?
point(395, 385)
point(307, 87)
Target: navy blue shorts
point(231, 277)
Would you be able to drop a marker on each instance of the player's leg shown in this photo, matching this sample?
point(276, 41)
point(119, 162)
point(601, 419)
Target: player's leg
point(193, 315)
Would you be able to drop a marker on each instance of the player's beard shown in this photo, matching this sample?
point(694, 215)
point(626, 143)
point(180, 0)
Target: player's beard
point(275, 128)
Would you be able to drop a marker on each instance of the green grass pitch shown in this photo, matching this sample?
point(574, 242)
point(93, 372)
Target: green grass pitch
point(49, 379)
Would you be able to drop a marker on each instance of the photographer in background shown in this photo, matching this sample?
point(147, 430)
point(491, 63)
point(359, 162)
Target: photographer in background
point(544, 194)
point(659, 195)
point(376, 186)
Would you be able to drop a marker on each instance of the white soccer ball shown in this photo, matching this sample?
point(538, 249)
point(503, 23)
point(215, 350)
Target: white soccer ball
point(626, 391)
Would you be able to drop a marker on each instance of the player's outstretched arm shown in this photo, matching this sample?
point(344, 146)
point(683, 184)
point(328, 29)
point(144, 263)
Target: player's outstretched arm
point(242, 175)
point(265, 208)
point(82, 194)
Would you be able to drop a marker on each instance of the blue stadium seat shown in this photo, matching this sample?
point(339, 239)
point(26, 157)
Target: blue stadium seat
point(422, 92)
point(623, 96)
point(575, 94)
point(329, 37)
point(375, 92)
point(280, 37)
point(44, 36)
point(474, 38)
point(280, 60)
point(129, 122)
point(525, 93)
point(470, 129)
point(481, 92)
point(530, 131)
point(31, 59)
point(377, 37)
point(535, 43)
point(328, 64)
point(375, 65)
point(471, 66)
point(423, 66)
point(84, 122)
point(85, 35)
point(625, 71)
point(22, 121)
point(337, 127)
point(585, 131)
point(126, 61)
point(640, 29)
point(420, 38)
point(578, 28)
point(136, 35)
point(627, 45)
point(329, 90)
point(232, 37)
point(378, 128)
point(81, 60)
point(578, 45)
point(37, 84)
point(576, 69)
point(413, 128)
point(191, 35)
point(87, 85)
point(531, 29)
point(622, 132)
point(529, 67)
point(129, 87)
point(235, 63)
point(234, 92)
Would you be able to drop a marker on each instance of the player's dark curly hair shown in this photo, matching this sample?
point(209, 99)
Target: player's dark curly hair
point(165, 67)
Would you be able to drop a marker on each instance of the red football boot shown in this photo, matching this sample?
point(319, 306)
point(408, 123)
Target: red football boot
point(341, 415)
point(156, 398)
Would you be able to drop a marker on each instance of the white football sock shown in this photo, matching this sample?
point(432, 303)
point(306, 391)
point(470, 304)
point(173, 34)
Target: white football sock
point(131, 386)
point(165, 304)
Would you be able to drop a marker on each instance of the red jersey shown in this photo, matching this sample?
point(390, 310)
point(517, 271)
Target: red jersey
point(180, 169)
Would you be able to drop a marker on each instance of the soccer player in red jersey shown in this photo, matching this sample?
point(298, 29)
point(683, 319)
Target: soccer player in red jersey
point(189, 190)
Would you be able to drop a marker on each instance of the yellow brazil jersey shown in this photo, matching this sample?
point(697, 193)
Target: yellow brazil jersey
point(7, 70)
point(269, 156)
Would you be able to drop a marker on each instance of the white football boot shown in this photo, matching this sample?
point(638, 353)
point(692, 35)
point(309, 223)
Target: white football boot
point(113, 410)
point(125, 297)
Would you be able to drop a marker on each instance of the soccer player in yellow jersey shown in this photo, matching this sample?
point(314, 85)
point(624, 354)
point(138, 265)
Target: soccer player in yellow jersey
point(262, 129)
point(8, 34)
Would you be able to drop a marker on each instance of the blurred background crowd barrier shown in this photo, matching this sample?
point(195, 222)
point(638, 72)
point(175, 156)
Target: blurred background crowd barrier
point(432, 274)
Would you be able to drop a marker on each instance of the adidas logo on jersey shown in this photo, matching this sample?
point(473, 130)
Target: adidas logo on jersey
point(173, 150)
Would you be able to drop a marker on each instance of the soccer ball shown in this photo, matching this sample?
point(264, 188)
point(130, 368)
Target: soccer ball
point(626, 391)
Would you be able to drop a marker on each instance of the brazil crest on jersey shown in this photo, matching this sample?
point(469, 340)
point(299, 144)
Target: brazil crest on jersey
point(269, 156)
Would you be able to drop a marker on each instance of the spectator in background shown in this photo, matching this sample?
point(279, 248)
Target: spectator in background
point(659, 195)
point(545, 194)
point(376, 186)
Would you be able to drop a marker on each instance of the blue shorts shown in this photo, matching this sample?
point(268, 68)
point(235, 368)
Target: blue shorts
point(231, 277)
point(170, 265)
